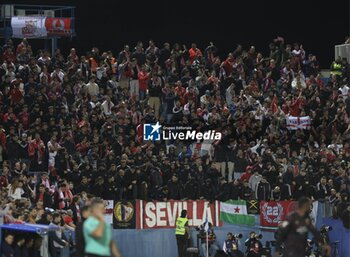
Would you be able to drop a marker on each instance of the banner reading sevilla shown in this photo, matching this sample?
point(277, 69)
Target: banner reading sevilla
point(272, 213)
point(28, 27)
point(58, 27)
point(164, 214)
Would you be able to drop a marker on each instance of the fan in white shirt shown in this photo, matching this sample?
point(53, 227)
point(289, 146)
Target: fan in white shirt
point(344, 91)
point(107, 106)
point(57, 72)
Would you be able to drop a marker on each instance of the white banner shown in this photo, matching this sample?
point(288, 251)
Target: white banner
point(313, 214)
point(109, 211)
point(294, 123)
point(28, 27)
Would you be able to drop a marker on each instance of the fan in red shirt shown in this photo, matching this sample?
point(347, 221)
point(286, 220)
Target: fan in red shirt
point(23, 44)
point(8, 56)
point(67, 217)
point(194, 52)
point(180, 92)
point(4, 179)
point(227, 65)
point(9, 116)
point(16, 94)
point(36, 150)
point(298, 104)
point(23, 117)
point(2, 139)
point(190, 95)
point(143, 76)
point(247, 174)
point(73, 55)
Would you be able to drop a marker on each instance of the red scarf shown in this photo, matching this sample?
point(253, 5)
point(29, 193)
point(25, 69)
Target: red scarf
point(34, 147)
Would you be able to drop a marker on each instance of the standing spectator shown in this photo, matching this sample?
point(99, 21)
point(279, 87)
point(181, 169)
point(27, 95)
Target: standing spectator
point(246, 192)
point(63, 197)
point(107, 106)
point(23, 149)
point(174, 188)
point(139, 54)
point(36, 151)
point(254, 180)
point(155, 86)
point(43, 196)
point(92, 89)
point(194, 53)
point(5, 177)
point(57, 239)
point(15, 189)
point(263, 190)
point(134, 79)
point(143, 77)
point(220, 156)
point(285, 189)
point(240, 163)
point(323, 189)
point(53, 146)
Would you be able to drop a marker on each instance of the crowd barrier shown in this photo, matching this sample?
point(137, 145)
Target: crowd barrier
point(162, 242)
point(339, 237)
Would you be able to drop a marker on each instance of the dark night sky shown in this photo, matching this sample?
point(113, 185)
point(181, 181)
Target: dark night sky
point(318, 25)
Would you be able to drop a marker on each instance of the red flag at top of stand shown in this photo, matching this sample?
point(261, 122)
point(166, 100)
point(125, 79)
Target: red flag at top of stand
point(58, 27)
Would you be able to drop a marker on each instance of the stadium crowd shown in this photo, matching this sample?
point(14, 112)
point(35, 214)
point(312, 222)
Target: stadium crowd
point(72, 127)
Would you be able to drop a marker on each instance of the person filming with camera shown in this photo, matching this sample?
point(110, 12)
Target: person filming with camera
point(230, 246)
point(293, 232)
point(211, 241)
point(253, 244)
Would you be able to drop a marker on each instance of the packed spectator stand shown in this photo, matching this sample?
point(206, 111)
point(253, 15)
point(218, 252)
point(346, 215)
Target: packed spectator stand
point(72, 127)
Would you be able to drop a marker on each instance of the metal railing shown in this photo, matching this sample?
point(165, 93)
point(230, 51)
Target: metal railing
point(7, 11)
point(342, 50)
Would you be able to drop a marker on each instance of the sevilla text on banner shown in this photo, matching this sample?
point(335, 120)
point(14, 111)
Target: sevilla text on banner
point(164, 214)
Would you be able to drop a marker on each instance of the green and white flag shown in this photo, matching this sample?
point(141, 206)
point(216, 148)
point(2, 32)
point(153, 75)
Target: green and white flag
point(235, 212)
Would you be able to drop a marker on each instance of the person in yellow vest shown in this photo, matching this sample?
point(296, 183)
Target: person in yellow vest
point(182, 233)
point(336, 67)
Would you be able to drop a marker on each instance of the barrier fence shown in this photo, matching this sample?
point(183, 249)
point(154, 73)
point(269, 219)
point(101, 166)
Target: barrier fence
point(342, 50)
point(154, 234)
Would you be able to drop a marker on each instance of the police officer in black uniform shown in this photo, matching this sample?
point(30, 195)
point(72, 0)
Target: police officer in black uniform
point(231, 246)
point(293, 232)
